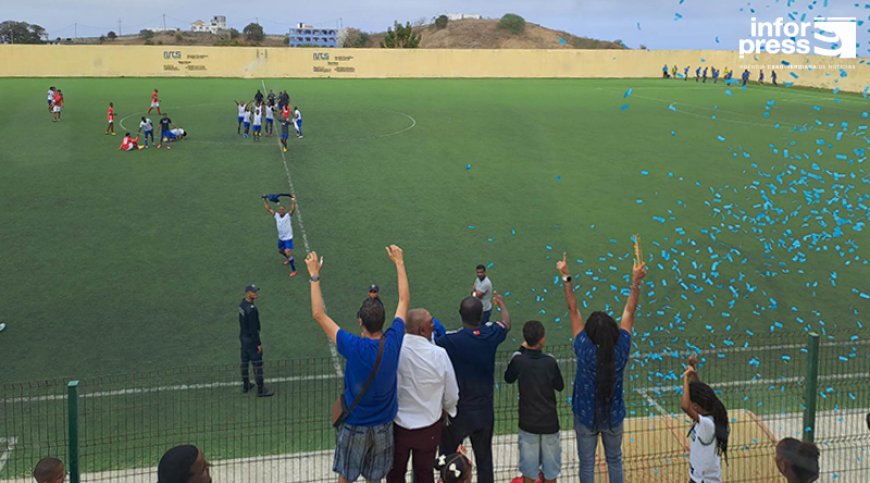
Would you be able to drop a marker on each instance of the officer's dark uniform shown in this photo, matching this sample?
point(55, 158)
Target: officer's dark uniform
point(249, 335)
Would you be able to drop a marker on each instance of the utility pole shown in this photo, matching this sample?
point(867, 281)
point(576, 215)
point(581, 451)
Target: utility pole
point(119, 27)
point(164, 22)
point(76, 30)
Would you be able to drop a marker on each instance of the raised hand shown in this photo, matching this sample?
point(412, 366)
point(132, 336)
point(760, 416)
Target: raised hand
point(562, 265)
point(313, 264)
point(396, 254)
point(638, 272)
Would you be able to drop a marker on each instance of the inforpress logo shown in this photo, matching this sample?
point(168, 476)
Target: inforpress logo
point(832, 36)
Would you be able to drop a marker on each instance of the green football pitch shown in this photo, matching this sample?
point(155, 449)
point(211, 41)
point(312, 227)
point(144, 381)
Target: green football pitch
point(751, 206)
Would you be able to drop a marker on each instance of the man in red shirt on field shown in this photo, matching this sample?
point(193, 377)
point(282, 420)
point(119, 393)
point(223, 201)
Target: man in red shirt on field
point(129, 144)
point(57, 106)
point(155, 102)
point(110, 119)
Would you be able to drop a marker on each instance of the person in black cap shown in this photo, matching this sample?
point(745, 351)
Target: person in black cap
point(252, 347)
point(374, 292)
point(183, 464)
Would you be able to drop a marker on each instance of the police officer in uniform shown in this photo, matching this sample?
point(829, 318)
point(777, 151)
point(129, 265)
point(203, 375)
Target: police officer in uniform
point(252, 348)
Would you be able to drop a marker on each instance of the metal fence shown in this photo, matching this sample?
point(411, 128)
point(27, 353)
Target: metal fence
point(115, 428)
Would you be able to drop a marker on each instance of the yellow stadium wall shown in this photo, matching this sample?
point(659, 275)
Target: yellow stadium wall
point(252, 62)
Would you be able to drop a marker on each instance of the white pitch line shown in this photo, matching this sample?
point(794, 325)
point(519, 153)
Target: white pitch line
point(741, 348)
point(10, 447)
point(336, 363)
point(751, 382)
point(652, 401)
point(408, 128)
point(176, 387)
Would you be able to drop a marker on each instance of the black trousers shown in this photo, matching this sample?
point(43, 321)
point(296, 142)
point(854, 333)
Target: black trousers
point(250, 355)
point(476, 425)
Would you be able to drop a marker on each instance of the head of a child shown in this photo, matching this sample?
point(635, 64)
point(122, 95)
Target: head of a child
point(49, 470)
point(797, 461)
point(533, 333)
point(454, 468)
point(706, 403)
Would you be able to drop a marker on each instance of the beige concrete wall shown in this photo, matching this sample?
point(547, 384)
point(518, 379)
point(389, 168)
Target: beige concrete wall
point(251, 62)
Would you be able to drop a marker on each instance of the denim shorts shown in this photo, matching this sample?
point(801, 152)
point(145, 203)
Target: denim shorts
point(363, 450)
point(540, 452)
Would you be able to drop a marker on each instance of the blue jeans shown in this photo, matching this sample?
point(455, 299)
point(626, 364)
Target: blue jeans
point(540, 452)
point(587, 442)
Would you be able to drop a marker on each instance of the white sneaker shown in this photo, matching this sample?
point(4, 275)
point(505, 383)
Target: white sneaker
point(2, 327)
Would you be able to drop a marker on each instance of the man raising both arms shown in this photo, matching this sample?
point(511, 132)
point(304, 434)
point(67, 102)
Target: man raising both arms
point(284, 223)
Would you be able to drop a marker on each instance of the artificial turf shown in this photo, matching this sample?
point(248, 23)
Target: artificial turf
point(126, 261)
point(750, 204)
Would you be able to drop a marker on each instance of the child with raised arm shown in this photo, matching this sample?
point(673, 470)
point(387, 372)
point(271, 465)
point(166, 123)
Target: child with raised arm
point(708, 438)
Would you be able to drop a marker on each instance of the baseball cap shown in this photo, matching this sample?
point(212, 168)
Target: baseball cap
point(374, 288)
point(252, 288)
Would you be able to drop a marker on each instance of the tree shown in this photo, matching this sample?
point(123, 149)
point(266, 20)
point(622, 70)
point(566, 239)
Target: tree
point(12, 32)
point(146, 34)
point(234, 34)
point(441, 22)
point(513, 23)
point(254, 32)
point(111, 35)
point(356, 39)
point(400, 37)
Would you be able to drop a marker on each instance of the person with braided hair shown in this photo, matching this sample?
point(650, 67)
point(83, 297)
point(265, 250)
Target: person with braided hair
point(797, 461)
point(602, 347)
point(708, 438)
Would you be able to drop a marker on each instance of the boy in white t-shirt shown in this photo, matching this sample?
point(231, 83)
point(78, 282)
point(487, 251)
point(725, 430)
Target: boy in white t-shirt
point(708, 438)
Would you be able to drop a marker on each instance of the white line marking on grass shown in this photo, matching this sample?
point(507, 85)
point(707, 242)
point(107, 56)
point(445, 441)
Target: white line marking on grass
point(400, 131)
point(653, 402)
point(336, 363)
point(7, 452)
point(752, 382)
point(176, 387)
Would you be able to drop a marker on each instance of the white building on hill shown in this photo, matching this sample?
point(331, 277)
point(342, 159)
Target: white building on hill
point(463, 16)
point(218, 23)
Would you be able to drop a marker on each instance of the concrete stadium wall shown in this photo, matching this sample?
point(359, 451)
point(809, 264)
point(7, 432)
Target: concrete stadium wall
point(251, 62)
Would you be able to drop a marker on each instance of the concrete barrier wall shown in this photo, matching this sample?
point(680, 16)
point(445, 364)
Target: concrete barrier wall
point(191, 61)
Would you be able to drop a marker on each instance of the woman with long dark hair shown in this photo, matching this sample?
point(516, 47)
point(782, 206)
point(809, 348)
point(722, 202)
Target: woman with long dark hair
point(602, 347)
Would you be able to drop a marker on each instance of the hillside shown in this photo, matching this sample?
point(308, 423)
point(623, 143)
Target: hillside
point(486, 34)
point(459, 34)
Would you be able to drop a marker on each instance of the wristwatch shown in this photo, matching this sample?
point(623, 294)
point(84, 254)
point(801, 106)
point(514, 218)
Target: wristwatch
point(566, 278)
point(314, 278)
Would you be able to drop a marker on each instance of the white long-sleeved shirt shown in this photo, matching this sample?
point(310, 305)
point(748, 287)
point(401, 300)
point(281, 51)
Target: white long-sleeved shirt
point(427, 384)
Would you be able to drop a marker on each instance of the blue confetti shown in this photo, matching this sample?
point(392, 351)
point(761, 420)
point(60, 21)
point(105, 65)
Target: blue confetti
point(672, 107)
point(721, 139)
point(627, 93)
point(644, 173)
point(623, 107)
point(677, 16)
point(468, 167)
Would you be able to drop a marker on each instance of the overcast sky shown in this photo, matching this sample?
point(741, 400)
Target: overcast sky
point(658, 24)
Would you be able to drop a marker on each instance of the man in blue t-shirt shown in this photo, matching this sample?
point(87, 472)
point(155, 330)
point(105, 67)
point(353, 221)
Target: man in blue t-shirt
point(472, 352)
point(364, 442)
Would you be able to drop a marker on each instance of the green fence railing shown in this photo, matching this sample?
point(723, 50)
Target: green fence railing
point(116, 427)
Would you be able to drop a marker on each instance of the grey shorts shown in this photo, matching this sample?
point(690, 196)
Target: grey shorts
point(363, 450)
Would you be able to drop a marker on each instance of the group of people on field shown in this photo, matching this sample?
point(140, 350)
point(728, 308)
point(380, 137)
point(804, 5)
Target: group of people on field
point(169, 132)
point(258, 116)
point(701, 75)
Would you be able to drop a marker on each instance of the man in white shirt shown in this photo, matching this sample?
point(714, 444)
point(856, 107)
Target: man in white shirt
point(427, 389)
point(283, 221)
point(297, 121)
point(482, 289)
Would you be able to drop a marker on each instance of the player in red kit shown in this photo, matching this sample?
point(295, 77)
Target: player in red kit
point(155, 102)
point(110, 119)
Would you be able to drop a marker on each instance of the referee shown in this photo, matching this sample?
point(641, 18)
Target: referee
point(252, 348)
